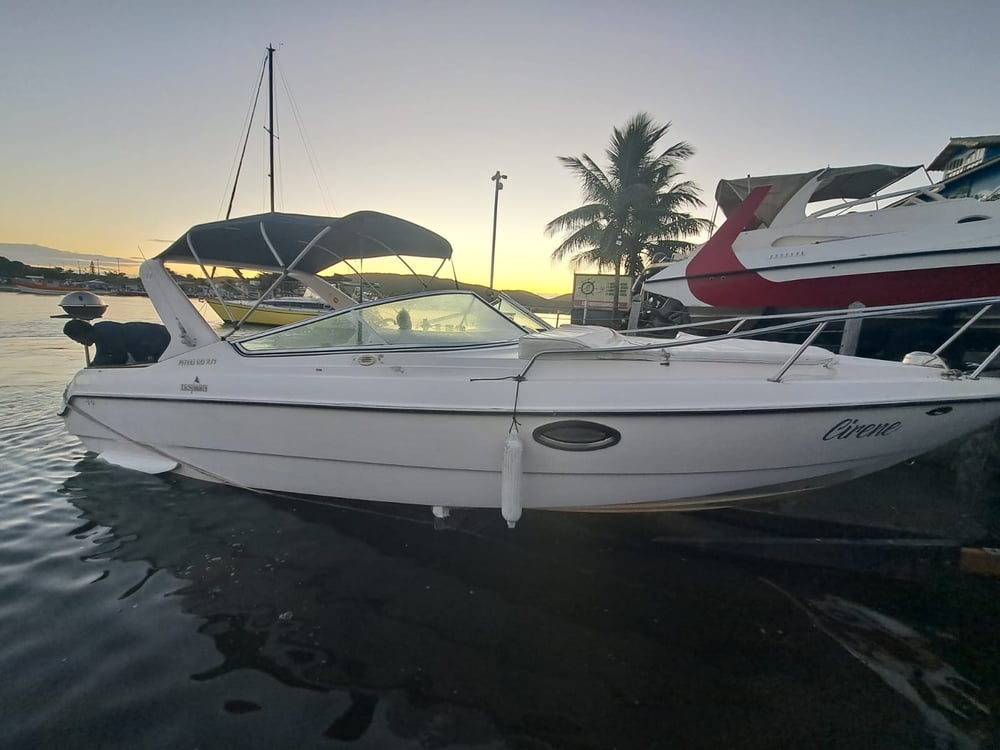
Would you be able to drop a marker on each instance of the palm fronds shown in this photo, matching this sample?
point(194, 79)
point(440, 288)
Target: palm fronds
point(636, 207)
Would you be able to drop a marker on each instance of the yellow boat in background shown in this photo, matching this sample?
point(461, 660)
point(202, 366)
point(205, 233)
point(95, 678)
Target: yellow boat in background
point(278, 311)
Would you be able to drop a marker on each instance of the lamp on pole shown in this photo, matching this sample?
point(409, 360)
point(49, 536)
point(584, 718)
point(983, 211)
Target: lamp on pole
point(498, 186)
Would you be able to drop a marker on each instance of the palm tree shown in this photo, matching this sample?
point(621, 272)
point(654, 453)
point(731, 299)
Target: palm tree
point(638, 207)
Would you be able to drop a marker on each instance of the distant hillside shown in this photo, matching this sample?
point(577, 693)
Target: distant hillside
point(392, 284)
point(532, 301)
point(38, 255)
point(389, 284)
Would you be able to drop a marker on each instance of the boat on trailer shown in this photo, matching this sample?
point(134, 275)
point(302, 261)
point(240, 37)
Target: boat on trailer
point(444, 400)
point(872, 248)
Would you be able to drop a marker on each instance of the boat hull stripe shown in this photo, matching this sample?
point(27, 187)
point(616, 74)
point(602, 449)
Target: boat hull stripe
point(562, 412)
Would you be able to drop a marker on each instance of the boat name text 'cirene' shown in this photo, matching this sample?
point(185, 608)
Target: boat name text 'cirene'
point(848, 428)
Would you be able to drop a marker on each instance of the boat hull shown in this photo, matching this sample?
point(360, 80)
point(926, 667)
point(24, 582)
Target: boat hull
point(667, 457)
point(31, 288)
point(872, 283)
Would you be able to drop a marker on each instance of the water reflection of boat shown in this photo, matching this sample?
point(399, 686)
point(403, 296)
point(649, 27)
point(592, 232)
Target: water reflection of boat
point(411, 635)
point(577, 632)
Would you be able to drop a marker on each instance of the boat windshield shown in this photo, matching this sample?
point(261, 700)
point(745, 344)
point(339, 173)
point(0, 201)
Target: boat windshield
point(432, 319)
point(519, 314)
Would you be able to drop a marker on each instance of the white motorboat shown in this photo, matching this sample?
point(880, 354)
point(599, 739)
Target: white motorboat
point(908, 246)
point(444, 400)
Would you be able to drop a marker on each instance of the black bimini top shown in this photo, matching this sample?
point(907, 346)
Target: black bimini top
point(277, 240)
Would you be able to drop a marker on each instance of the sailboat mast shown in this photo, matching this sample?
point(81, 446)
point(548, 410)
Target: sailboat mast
point(269, 67)
point(270, 111)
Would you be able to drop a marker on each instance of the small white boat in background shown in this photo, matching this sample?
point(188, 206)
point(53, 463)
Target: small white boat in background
point(909, 246)
point(441, 399)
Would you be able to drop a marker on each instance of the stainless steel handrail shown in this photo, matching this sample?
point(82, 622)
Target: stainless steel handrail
point(798, 353)
point(801, 320)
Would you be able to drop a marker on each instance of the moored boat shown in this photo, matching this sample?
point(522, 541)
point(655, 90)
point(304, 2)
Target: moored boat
point(38, 285)
point(443, 400)
point(909, 246)
point(276, 311)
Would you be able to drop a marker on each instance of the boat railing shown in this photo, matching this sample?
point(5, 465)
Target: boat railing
point(925, 191)
point(795, 321)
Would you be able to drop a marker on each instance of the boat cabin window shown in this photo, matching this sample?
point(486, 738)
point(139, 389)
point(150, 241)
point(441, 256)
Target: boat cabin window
point(432, 319)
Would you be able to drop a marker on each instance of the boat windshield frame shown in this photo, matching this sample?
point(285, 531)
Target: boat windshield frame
point(439, 319)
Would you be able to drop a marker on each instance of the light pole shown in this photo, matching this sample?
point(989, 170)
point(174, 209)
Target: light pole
point(498, 186)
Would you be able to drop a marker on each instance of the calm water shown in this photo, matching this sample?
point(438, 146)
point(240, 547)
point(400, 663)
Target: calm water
point(146, 612)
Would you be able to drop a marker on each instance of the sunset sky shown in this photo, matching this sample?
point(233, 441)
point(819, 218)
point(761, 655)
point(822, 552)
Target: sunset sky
point(122, 120)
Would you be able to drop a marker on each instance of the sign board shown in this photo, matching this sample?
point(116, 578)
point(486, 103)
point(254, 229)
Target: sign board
point(965, 162)
point(597, 291)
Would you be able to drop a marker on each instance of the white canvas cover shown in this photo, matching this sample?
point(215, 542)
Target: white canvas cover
point(596, 338)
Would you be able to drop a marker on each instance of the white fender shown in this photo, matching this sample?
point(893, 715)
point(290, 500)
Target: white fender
point(510, 479)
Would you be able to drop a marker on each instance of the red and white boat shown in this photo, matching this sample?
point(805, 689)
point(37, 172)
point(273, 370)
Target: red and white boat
point(770, 256)
point(39, 285)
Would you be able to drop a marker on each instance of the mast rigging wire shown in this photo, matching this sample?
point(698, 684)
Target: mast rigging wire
point(246, 139)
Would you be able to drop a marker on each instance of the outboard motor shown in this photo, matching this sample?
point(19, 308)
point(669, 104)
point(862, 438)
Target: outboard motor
point(656, 311)
point(660, 311)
